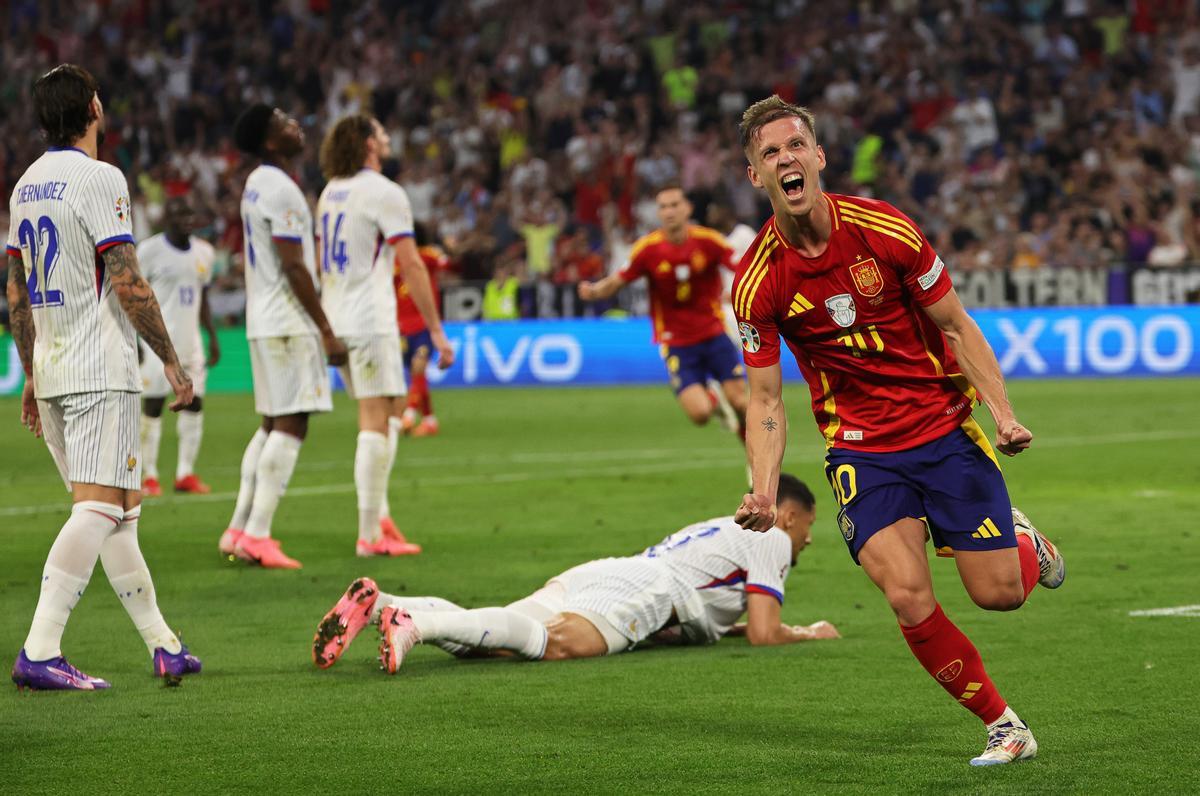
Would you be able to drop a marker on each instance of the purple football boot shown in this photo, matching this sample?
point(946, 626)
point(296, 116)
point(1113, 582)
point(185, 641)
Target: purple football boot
point(52, 675)
point(174, 666)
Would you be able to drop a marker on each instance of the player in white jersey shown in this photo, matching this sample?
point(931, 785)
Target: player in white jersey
point(285, 326)
point(76, 299)
point(690, 588)
point(362, 219)
point(179, 268)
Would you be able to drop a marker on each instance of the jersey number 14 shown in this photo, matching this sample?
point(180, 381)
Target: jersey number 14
point(333, 249)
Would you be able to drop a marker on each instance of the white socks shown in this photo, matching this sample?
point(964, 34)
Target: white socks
point(190, 427)
point(370, 478)
point(483, 628)
point(130, 579)
point(275, 465)
point(151, 435)
point(245, 498)
point(385, 600)
point(393, 441)
point(419, 604)
point(68, 569)
point(1008, 716)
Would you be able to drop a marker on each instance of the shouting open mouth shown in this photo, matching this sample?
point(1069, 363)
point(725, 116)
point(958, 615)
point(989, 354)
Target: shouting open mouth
point(792, 184)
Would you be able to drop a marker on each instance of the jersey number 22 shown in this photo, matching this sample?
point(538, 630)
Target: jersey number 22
point(39, 261)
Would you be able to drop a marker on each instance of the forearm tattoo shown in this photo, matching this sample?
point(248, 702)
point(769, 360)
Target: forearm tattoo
point(20, 317)
point(137, 299)
point(769, 424)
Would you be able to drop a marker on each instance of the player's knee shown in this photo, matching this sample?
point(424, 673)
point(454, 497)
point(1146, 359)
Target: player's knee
point(556, 650)
point(1001, 597)
point(912, 605)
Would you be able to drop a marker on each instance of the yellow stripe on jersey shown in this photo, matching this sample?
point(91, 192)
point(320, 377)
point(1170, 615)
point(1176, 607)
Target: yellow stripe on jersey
point(876, 217)
point(830, 408)
point(709, 234)
point(762, 273)
point(972, 429)
point(837, 223)
point(750, 273)
point(907, 241)
point(753, 275)
point(937, 365)
point(641, 243)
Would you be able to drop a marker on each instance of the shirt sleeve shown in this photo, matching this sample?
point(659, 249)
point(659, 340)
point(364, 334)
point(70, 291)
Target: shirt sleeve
point(753, 307)
point(770, 560)
point(208, 257)
point(285, 211)
point(394, 214)
point(105, 209)
point(636, 267)
point(923, 272)
point(722, 252)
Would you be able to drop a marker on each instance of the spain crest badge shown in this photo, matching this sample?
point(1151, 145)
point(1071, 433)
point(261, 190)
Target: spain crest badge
point(867, 278)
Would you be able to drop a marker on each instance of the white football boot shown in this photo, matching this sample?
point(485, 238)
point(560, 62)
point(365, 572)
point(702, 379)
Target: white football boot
point(1051, 565)
point(1009, 740)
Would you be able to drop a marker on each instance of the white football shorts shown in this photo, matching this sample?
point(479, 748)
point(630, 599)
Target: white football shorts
point(375, 368)
point(290, 376)
point(627, 599)
point(154, 380)
point(93, 437)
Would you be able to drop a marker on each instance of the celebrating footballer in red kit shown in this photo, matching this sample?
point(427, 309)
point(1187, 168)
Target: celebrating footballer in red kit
point(682, 263)
point(894, 365)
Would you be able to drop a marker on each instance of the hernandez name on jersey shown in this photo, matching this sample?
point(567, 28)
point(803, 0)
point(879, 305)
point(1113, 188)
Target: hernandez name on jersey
point(880, 373)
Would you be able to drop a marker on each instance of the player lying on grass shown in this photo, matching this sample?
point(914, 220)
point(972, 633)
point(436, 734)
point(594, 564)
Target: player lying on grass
point(690, 588)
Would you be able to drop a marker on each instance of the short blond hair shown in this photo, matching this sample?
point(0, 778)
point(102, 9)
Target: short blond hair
point(768, 110)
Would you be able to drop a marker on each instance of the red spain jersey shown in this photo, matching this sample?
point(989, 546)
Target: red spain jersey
point(881, 374)
point(685, 283)
point(407, 314)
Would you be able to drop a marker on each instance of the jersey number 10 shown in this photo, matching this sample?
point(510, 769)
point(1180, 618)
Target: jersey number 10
point(40, 262)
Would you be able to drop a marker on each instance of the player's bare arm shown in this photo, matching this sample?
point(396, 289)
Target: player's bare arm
point(214, 347)
point(21, 324)
point(421, 290)
point(766, 436)
point(979, 365)
point(141, 307)
point(291, 256)
point(765, 628)
point(598, 291)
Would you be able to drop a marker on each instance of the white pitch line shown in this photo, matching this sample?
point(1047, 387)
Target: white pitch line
point(732, 462)
point(1179, 610)
point(687, 456)
point(530, 457)
point(581, 457)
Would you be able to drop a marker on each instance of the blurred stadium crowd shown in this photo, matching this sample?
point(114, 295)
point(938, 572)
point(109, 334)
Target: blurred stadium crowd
point(532, 133)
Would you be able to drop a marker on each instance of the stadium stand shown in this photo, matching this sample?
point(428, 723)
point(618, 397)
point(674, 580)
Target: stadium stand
point(1019, 134)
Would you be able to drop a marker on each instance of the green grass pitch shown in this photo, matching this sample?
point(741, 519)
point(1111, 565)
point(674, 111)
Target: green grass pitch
point(524, 483)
